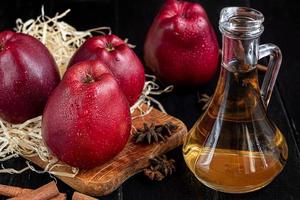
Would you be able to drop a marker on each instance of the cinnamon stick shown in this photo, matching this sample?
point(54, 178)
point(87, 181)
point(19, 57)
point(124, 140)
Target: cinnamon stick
point(80, 196)
point(45, 192)
point(12, 191)
point(60, 196)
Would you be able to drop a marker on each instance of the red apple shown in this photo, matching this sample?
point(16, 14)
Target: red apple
point(87, 120)
point(121, 60)
point(181, 46)
point(28, 74)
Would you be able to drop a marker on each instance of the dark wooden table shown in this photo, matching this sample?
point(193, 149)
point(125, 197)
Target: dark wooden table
point(131, 19)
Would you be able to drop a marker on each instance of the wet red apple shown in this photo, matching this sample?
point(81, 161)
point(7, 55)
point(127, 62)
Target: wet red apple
point(181, 46)
point(87, 120)
point(119, 58)
point(28, 74)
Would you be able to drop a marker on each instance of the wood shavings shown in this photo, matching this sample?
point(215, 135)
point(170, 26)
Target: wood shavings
point(62, 40)
point(12, 171)
point(150, 88)
point(204, 98)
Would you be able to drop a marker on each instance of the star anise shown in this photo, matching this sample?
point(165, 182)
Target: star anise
point(160, 167)
point(169, 128)
point(152, 133)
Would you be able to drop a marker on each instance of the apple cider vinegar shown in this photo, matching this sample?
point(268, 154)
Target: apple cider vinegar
point(233, 170)
point(234, 147)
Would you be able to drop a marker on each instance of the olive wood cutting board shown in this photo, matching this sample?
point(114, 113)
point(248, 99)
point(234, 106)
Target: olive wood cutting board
point(106, 178)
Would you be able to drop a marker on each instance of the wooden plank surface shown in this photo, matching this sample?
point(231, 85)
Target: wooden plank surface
point(106, 178)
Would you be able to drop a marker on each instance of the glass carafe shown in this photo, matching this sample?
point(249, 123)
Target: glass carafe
point(234, 147)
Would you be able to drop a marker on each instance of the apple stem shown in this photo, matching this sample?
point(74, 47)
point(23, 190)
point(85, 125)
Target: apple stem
point(110, 47)
point(89, 79)
point(1, 46)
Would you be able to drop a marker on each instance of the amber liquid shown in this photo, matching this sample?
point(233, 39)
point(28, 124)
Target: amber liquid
point(234, 148)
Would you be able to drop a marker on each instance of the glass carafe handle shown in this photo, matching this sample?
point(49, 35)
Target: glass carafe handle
point(273, 68)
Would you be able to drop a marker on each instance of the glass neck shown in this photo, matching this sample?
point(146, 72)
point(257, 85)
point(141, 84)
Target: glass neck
point(239, 54)
point(241, 28)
